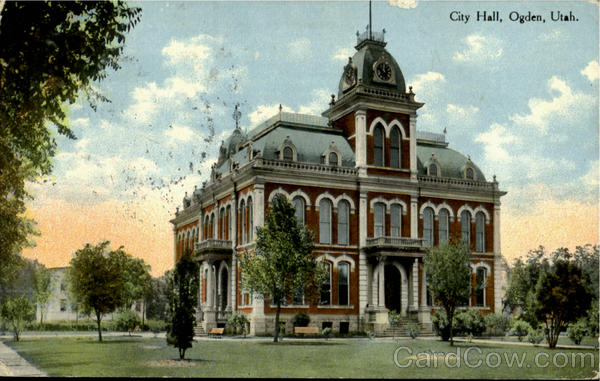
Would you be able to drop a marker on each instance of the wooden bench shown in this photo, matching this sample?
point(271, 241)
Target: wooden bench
point(306, 330)
point(216, 332)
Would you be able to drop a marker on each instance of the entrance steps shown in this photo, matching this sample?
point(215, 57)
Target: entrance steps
point(199, 330)
point(402, 329)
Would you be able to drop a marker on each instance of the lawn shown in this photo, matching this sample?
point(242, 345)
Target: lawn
point(151, 357)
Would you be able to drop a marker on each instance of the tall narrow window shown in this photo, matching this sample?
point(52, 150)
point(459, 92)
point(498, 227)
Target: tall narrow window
point(243, 221)
point(443, 226)
point(465, 227)
point(298, 203)
point(378, 144)
point(396, 220)
point(228, 216)
point(480, 287)
point(333, 158)
point(222, 223)
point(288, 154)
point(326, 286)
point(298, 297)
point(325, 221)
point(433, 170)
point(206, 228)
point(250, 221)
point(212, 226)
point(343, 219)
point(480, 232)
point(379, 219)
point(395, 148)
point(428, 227)
point(343, 281)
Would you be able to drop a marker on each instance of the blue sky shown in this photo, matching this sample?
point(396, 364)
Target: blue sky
point(520, 99)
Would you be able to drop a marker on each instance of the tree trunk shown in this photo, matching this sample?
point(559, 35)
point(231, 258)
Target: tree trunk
point(450, 315)
point(98, 321)
point(276, 335)
point(181, 353)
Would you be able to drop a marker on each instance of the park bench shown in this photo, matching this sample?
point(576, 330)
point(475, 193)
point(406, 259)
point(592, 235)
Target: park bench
point(306, 330)
point(216, 332)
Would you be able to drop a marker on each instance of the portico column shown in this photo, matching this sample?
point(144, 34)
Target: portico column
point(413, 146)
point(233, 238)
point(210, 286)
point(423, 287)
point(498, 263)
point(360, 122)
point(381, 287)
point(414, 217)
point(363, 281)
point(415, 284)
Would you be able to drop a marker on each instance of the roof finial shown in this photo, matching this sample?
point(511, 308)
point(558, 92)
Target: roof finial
point(237, 116)
point(280, 108)
point(445, 131)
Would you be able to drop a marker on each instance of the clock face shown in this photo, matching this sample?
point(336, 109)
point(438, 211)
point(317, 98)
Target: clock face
point(384, 71)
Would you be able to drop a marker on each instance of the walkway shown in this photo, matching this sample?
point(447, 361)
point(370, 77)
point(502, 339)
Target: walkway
point(13, 365)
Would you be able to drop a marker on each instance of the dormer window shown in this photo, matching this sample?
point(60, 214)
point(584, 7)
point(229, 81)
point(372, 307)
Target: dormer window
point(433, 170)
point(469, 174)
point(332, 156)
point(287, 150)
point(433, 167)
point(288, 154)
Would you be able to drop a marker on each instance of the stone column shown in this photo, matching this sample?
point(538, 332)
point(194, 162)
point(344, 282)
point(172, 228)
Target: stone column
point(423, 287)
point(415, 284)
point(360, 133)
point(404, 293)
point(210, 312)
point(363, 281)
point(257, 318)
point(233, 238)
point(381, 285)
point(414, 217)
point(259, 206)
point(413, 146)
point(499, 272)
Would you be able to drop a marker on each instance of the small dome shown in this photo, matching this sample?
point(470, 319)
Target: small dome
point(452, 163)
point(237, 137)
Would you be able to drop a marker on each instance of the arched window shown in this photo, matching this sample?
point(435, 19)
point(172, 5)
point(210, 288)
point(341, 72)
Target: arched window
point(480, 284)
point(469, 174)
point(325, 221)
point(326, 286)
point(378, 144)
point(333, 158)
point(222, 223)
point(343, 222)
point(250, 231)
point(465, 227)
point(480, 232)
point(443, 226)
point(395, 148)
point(379, 219)
point(288, 154)
point(343, 283)
point(243, 221)
point(206, 228)
point(228, 217)
point(396, 220)
point(433, 170)
point(298, 203)
point(428, 227)
point(212, 226)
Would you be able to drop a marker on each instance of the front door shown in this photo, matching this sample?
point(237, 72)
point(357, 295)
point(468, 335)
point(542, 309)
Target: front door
point(392, 284)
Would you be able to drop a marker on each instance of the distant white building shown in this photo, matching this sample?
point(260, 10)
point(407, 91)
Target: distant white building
point(59, 305)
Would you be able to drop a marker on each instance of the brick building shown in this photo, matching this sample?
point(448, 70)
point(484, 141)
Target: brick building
point(376, 191)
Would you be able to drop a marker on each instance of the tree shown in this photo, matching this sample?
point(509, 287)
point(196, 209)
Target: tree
point(157, 299)
point(42, 288)
point(50, 51)
point(449, 278)
point(96, 279)
point(136, 281)
point(183, 301)
point(17, 310)
point(563, 297)
point(282, 261)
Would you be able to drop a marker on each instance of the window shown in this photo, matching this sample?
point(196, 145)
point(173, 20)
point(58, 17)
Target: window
point(396, 220)
point(443, 226)
point(288, 154)
point(480, 232)
point(469, 173)
point(298, 203)
point(63, 305)
point(326, 287)
point(433, 170)
point(212, 225)
point(465, 226)
point(228, 216)
point(395, 148)
point(250, 232)
point(379, 219)
point(378, 144)
point(428, 227)
point(333, 158)
point(480, 287)
point(206, 227)
point(325, 221)
point(343, 218)
point(222, 223)
point(298, 297)
point(243, 224)
point(343, 280)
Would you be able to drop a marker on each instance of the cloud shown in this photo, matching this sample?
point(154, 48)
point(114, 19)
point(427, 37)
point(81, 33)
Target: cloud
point(567, 106)
point(404, 4)
point(342, 54)
point(299, 48)
point(592, 71)
point(321, 99)
point(495, 141)
point(461, 112)
point(180, 133)
point(480, 49)
point(264, 112)
point(424, 83)
point(183, 52)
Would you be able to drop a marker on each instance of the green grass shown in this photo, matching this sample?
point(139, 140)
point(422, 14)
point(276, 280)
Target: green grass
point(151, 357)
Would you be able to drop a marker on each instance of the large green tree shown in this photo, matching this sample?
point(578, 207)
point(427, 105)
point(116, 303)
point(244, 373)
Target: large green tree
point(183, 287)
point(17, 310)
point(283, 259)
point(50, 52)
point(449, 277)
point(42, 288)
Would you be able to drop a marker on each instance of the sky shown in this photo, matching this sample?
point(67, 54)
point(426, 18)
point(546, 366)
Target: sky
point(520, 98)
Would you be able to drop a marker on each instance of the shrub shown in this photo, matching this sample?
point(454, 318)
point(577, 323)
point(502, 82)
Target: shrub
point(155, 326)
point(577, 331)
point(16, 311)
point(394, 318)
point(469, 322)
point(519, 328)
point(440, 324)
point(326, 332)
point(301, 319)
point(592, 319)
point(535, 336)
point(413, 330)
point(497, 324)
point(238, 322)
point(127, 321)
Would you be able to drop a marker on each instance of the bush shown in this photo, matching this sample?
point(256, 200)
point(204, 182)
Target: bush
point(592, 319)
point(301, 319)
point(577, 331)
point(238, 323)
point(497, 324)
point(155, 326)
point(535, 336)
point(441, 324)
point(413, 330)
point(394, 318)
point(127, 321)
point(469, 322)
point(520, 328)
point(326, 332)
